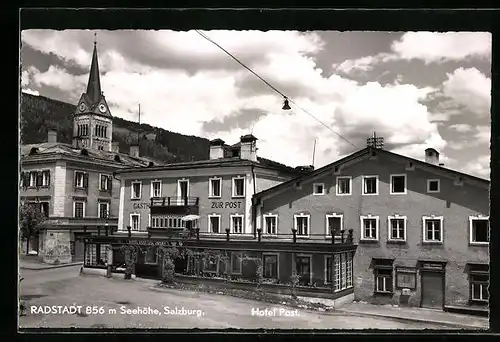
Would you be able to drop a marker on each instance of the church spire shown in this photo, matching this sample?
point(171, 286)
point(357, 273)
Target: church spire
point(94, 85)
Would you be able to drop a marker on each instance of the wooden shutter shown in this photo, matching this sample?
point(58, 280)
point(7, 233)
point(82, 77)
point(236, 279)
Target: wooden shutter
point(23, 179)
point(76, 179)
point(39, 179)
point(85, 180)
point(110, 183)
point(47, 175)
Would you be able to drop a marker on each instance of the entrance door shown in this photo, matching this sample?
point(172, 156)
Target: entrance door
point(432, 290)
point(183, 189)
point(79, 247)
point(303, 264)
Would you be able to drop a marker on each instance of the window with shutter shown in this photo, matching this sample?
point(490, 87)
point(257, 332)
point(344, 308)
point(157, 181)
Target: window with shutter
point(45, 178)
point(26, 179)
point(110, 184)
point(39, 179)
point(85, 181)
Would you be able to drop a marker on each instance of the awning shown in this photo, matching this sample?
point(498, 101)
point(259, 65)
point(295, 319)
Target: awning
point(190, 218)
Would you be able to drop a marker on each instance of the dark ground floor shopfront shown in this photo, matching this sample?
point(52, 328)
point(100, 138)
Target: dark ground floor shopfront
point(432, 284)
point(62, 240)
point(324, 267)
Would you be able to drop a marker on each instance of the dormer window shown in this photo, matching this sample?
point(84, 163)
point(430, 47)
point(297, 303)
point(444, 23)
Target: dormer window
point(236, 152)
point(34, 150)
point(410, 166)
point(84, 152)
point(117, 159)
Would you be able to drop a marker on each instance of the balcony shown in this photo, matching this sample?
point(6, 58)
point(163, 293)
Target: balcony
point(175, 205)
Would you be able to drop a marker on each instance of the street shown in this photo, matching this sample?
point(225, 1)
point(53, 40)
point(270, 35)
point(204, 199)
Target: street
point(175, 308)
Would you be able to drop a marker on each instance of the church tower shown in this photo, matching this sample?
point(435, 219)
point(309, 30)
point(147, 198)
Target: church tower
point(92, 120)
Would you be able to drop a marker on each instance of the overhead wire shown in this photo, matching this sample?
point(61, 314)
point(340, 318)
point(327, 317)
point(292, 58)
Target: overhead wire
point(272, 87)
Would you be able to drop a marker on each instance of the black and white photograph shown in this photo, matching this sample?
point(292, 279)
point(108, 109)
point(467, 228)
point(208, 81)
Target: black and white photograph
point(250, 179)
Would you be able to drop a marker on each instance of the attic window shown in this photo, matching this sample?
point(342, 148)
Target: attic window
point(459, 181)
point(117, 159)
point(410, 166)
point(151, 164)
point(84, 152)
point(34, 150)
point(236, 152)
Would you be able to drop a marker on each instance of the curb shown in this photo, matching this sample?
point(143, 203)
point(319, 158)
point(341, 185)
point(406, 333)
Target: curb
point(48, 267)
point(103, 273)
point(411, 319)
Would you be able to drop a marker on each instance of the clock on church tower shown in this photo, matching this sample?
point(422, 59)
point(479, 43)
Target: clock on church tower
point(92, 121)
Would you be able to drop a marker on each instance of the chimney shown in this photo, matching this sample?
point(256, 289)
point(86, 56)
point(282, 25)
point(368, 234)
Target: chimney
point(248, 149)
point(51, 136)
point(134, 151)
point(115, 147)
point(217, 149)
point(432, 156)
point(307, 168)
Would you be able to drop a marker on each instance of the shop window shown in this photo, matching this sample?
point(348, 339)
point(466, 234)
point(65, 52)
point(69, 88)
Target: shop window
point(479, 279)
point(406, 278)
point(383, 273)
point(270, 266)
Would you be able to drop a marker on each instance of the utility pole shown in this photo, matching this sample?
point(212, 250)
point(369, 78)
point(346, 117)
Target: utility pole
point(314, 152)
point(138, 132)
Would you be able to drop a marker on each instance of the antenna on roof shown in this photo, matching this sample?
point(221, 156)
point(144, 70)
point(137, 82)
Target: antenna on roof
point(375, 142)
point(138, 132)
point(314, 151)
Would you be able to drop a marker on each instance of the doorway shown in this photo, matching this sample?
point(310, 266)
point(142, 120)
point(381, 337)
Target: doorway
point(432, 289)
point(79, 246)
point(303, 266)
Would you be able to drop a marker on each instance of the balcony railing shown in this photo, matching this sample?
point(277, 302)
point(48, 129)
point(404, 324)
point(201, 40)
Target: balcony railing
point(174, 205)
point(174, 201)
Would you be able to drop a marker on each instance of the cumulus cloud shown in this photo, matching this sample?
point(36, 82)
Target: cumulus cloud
point(479, 167)
point(185, 84)
point(443, 46)
point(430, 47)
point(483, 134)
point(461, 128)
point(469, 88)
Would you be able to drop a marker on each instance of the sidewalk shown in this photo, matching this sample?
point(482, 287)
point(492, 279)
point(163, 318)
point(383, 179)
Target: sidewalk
point(37, 265)
point(417, 315)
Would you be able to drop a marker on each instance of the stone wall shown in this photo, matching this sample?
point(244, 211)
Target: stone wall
point(57, 248)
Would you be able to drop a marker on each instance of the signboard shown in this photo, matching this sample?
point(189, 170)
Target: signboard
point(154, 243)
point(432, 266)
point(406, 278)
point(143, 205)
point(222, 205)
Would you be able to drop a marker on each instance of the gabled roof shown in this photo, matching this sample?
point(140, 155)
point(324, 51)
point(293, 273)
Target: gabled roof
point(221, 162)
point(357, 155)
point(68, 150)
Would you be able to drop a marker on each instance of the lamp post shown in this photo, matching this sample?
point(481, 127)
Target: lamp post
point(109, 265)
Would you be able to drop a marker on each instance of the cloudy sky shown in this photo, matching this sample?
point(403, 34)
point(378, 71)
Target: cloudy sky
point(416, 89)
